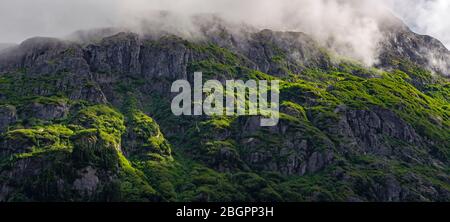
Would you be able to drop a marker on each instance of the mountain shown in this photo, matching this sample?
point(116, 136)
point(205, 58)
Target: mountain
point(91, 120)
point(400, 43)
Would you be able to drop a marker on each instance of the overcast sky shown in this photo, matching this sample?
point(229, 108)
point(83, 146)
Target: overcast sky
point(21, 19)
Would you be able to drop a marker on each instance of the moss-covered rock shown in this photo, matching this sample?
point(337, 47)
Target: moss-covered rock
point(144, 139)
point(346, 132)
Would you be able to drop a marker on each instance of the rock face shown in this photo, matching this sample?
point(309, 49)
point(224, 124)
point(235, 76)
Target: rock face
point(53, 162)
point(290, 149)
point(48, 59)
point(370, 127)
point(167, 58)
point(8, 116)
point(143, 139)
point(116, 54)
point(278, 52)
point(401, 43)
point(22, 169)
point(88, 182)
point(383, 133)
point(46, 111)
point(92, 122)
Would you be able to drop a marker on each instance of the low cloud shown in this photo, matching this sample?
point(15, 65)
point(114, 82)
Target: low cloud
point(350, 27)
point(431, 17)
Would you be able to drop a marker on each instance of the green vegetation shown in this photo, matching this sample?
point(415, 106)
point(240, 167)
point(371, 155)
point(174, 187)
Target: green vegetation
point(134, 149)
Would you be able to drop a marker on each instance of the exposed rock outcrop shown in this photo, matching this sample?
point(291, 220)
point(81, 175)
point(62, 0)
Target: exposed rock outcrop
point(8, 116)
point(82, 128)
point(46, 111)
point(400, 43)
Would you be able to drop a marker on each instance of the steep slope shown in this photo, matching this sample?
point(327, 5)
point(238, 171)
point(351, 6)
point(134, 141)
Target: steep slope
point(401, 45)
point(81, 122)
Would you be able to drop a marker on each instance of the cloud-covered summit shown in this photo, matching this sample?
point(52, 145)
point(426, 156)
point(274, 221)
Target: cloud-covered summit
point(350, 27)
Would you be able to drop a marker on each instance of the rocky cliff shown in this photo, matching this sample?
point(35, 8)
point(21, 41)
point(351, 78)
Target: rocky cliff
point(91, 121)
